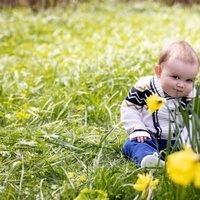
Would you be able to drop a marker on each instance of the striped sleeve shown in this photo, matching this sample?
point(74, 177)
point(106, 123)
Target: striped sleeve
point(138, 97)
point(131, 110)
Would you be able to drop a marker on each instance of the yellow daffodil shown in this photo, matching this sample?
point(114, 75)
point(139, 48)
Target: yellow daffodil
point(21, 115)
point(71, 175)
point(155, 102)
point(183, 167)
point(82, 178)
point(145, 183)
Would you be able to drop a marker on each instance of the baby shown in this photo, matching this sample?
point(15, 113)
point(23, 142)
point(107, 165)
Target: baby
point(174, 80)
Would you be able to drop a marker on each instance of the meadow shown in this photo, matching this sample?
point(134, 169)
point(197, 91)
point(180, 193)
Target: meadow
point(64, 75)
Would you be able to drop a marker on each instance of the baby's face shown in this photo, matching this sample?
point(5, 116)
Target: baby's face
point(177, 77)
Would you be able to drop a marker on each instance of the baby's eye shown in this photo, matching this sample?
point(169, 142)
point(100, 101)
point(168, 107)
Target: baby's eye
point(190, 80)
point(175, 77)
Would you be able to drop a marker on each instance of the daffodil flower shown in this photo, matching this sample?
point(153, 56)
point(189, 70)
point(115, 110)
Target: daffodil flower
point(183, 167)
point(82, 178)
point(145, 184)
point(21, 115)
point(155, 102)
point(71, 175)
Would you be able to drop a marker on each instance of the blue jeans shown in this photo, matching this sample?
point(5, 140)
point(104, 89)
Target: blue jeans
point(136, 151)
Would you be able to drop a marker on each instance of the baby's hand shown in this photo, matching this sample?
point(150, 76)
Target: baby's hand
point(141, 138)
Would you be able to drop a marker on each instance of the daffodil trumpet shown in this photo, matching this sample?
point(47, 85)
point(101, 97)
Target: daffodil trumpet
point(155, 102)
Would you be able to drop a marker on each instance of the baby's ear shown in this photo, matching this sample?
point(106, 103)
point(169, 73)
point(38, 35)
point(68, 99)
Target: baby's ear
point(157, 70)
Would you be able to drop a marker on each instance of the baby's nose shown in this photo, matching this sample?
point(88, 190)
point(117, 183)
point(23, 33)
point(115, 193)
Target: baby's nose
point(180, 85)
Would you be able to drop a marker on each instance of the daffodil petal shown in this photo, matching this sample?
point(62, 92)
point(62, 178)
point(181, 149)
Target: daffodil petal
point(154, 183)
point(139, 187)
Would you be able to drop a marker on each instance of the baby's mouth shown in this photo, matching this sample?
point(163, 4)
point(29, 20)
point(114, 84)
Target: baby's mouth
point(179, 91)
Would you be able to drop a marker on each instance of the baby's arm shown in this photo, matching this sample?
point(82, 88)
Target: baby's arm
point(132, 121)
point(132, 107)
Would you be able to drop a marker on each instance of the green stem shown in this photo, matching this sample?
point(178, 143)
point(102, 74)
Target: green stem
point(180, 193)
point(149, 195)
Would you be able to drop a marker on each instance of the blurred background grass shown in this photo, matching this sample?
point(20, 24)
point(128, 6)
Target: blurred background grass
point(38, 4)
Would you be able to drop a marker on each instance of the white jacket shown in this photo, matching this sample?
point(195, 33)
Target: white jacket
point(138, 121)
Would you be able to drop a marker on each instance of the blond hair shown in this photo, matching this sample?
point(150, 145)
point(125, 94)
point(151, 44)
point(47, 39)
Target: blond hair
point(180, 50)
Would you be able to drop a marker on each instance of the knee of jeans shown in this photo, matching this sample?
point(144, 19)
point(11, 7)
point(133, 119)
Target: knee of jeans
point(127, 148)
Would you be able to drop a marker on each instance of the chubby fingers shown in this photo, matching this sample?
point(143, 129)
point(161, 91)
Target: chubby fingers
point(141, 139)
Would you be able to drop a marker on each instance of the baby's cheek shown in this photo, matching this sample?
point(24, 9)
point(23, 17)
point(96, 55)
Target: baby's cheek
point(169, 84)
point(190, 88)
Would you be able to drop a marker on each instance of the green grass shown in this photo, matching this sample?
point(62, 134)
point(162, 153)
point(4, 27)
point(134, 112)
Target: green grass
point(63, 77)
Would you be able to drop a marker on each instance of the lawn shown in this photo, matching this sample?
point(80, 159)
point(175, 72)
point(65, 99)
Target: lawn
point(64, 74)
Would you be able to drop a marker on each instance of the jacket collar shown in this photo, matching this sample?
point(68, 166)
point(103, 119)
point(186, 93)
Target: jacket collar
point(156, 87)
